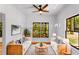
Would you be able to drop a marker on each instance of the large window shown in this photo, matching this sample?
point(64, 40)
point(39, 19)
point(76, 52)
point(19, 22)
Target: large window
point(40, 30)
point(72, 30)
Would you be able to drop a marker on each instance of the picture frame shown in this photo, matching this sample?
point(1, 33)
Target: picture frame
point(15, 29)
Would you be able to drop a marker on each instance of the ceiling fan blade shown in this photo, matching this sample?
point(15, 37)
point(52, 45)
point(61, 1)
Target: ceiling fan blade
point(35, 6)
point(44, 6)
point(45, 10)
point(35, 11)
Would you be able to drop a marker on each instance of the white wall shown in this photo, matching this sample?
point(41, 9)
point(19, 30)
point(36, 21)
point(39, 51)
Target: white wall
point(12, 16)
point(36, 17)
point(66, 12)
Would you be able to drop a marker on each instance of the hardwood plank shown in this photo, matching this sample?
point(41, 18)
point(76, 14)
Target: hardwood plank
point(0, 48)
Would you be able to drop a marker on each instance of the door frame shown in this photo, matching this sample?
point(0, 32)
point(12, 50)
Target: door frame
point(3, 34)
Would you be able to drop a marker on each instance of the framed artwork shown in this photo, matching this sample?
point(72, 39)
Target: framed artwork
point(15, 29)
point(40, 30)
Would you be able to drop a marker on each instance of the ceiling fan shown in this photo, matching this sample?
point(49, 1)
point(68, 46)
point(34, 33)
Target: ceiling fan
point(41, 8)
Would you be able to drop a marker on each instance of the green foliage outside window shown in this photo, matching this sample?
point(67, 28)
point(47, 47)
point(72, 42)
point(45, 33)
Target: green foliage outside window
point(40, 29)
point(72, 30)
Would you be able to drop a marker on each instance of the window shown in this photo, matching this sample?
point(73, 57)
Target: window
point(40, 29)
point(73, 38)
point(72, 30)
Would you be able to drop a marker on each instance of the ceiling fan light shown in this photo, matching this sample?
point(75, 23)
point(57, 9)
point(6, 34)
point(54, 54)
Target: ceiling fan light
point(40, 12)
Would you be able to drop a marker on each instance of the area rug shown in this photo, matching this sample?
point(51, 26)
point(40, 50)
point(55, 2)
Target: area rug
point(31, 51)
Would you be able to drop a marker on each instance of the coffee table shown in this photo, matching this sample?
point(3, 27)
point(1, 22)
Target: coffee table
point(41, 50)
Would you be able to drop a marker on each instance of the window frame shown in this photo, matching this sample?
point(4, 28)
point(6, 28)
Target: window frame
point(41, 23)
point(72, 31)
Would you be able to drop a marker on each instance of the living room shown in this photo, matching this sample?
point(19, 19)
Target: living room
point(21, 23)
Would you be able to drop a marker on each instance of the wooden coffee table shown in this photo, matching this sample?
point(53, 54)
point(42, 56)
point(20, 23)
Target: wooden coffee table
point(41, 49)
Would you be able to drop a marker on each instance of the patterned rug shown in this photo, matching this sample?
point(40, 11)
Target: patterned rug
point(31, 51)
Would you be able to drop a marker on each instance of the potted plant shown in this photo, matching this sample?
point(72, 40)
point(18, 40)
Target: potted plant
point(41, 44)
point(26, 33)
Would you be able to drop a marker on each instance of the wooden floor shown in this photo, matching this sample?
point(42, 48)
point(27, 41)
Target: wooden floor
point(31, 51)
point(0, 48)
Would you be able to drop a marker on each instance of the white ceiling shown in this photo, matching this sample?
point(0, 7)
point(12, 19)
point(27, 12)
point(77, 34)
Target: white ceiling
point(28, 8)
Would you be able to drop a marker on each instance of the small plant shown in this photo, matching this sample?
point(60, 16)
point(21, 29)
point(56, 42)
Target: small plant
point(26, 33)
point(41, 44)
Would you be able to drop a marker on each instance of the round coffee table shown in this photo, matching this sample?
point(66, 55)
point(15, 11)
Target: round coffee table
point(41, 49)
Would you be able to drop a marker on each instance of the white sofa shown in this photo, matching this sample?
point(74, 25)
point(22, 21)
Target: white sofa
point(25, 42)
point(26, 46)
point(55, 44)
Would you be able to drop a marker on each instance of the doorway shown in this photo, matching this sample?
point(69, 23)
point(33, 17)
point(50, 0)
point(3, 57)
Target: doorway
point(1, 32)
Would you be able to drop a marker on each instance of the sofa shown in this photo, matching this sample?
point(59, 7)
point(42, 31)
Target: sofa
point(26, 46)
point(54, 47)
point(59, 41)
